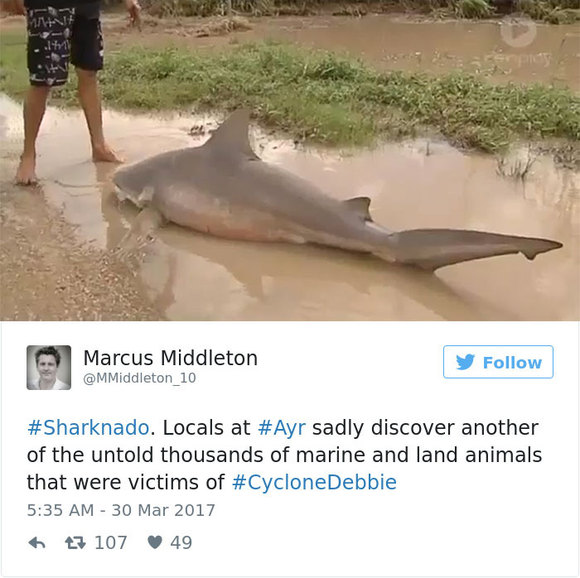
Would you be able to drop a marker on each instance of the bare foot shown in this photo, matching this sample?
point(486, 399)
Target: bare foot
point(25, 174)
point(105, 154)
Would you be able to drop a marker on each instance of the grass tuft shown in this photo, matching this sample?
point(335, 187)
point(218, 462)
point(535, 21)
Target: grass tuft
point(473, 8)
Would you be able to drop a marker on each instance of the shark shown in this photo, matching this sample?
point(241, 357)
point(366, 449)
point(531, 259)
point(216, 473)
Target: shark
point(224, 189)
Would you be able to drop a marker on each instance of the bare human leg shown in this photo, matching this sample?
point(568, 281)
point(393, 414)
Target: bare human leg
point(34, 108)
point(90, 100)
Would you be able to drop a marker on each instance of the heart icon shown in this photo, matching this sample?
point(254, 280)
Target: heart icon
point(154, 541)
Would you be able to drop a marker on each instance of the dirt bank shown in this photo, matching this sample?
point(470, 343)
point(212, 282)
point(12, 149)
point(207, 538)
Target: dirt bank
point(48, 275)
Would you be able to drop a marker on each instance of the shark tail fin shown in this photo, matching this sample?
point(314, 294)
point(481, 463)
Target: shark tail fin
point(431, 249)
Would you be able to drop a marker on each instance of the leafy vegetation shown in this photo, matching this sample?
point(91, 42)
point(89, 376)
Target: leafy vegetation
point(473, 8)
point(552, 11)
point(555, 11)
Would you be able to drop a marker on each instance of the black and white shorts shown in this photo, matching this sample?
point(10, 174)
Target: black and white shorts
point(59, 36)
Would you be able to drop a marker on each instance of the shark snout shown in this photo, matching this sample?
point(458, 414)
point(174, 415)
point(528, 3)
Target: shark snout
point(120, 186)
point(129, 188)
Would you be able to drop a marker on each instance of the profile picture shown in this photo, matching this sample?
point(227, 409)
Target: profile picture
point(48, 367)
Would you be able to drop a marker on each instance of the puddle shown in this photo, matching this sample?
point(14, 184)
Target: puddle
point(413, 185)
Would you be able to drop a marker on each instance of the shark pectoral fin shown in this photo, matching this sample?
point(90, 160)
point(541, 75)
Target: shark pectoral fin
point(360, 206)
point(142, 230)
point(431, 249)
point(148, 220)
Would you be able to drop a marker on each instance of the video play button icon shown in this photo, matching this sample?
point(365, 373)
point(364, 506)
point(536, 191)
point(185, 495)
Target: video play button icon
point(518, 30)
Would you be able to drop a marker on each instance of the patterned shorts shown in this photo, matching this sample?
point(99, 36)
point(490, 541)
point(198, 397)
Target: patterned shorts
point(57, 36)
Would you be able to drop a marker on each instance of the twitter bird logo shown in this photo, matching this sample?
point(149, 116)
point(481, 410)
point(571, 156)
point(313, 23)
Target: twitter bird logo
point(464, 363)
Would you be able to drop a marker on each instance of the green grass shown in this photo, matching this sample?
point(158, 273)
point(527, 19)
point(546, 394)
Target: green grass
point(321, 97)
point(13, 72)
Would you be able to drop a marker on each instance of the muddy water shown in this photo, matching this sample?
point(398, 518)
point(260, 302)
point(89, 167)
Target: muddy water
point(505, 50)
point(418, 184)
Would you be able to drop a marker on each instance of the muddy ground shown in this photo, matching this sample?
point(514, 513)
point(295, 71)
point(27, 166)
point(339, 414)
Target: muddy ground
point(60, 244)
point(48, 275)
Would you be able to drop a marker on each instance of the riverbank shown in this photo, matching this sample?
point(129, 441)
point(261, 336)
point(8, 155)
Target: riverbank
point(318, 96)
point(552, 11)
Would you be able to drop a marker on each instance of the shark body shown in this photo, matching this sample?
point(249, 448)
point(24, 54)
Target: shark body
point(224, 189)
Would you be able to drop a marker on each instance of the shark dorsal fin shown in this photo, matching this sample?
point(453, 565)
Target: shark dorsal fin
point(232, 135)
point(360, 206)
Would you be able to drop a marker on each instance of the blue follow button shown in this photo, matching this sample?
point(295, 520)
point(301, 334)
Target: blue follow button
point(498, 361)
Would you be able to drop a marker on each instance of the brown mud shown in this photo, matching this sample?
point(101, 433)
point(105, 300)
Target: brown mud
point(48, 275)
point(502, 50)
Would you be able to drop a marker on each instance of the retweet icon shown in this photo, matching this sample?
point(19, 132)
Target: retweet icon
point(464, 363)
